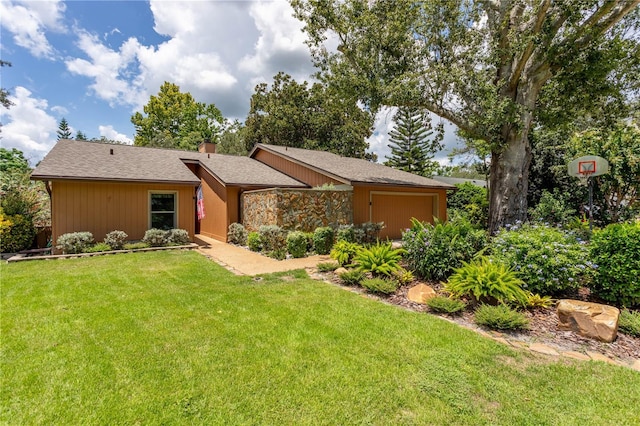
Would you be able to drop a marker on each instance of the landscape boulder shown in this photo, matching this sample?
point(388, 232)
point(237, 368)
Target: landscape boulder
point(593, 320)
point(421, 293)
point(341, 271)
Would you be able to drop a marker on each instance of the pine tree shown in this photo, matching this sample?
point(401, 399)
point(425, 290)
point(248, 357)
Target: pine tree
point(412, 145)
point(81, 136)
point(64, 132)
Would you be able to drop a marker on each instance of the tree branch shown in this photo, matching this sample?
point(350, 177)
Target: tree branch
point(593, 28)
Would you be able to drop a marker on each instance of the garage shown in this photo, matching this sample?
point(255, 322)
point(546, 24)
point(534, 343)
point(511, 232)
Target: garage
point(396, 209)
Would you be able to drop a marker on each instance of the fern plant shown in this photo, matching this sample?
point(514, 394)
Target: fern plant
point(343, 252)
point(379, 259)
point(487, 282)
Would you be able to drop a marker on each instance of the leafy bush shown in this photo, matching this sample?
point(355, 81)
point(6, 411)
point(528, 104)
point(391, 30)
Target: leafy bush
point(136, 246)
point(379, 285)
point(254, 241)
point(434, 251)
point(323, 240)
point(155, 237)
point(116, 239)
point(487, 282)
point(278, 254)
point(379, 259)
point(16, 232)
point(352, 277)
point(327, 266)
point(629, 322)
point(273, 238)
point(74, 242)
point(552, 208)
point(97, 248)
point(535, 301)
point(470, 201)
point(346, 233)
point(237, 234)
point(445, 305)
point(500, 317)
point(343, 251)
point(177, 237)
point(403, 276)
point(368, 232)
point(548, 260)
point(616, 252)
point(297, 244)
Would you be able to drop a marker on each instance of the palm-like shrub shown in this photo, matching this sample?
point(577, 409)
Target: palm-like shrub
point(344, 251)
point(379, 259)
point(487, 282)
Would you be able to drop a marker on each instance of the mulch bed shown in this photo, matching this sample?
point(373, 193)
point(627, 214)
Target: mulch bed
point(543, 325)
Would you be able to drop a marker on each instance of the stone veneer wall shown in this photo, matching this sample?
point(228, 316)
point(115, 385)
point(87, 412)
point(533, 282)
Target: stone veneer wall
point(297, 209)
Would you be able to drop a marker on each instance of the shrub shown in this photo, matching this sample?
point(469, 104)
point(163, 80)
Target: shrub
point(470, 201)
point(403, 276)
point(552, 208)
point(278, 254)
point(500, 317)
point(434, 251)
point(297, 244)
point(155, 237)
point(368, 232)
point(629, 322)
point(486, 282)
point(616, 252)
point(74, 242)
point(343, 251)
point(97, 248)
point(254, 241)
point(237, 234)
point(535, 301)
point(16, 232)
point(327, 266)
point(136, 246)
point(177, 237)
point(323, 240)
point(273, 238)
point(379, 285)
point(352, 277)
point(548, 260)
point(379, 259)
point(116, 239)
point(346, 233)
point(445, 305)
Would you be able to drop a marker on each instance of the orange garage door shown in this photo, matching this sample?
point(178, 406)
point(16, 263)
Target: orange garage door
point(396, 210)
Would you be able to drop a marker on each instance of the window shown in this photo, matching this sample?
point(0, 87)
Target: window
point(163, 210)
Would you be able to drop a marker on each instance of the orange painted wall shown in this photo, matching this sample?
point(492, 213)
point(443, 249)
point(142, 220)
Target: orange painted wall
point(215, 222)
point(296, 171)
point(102, 207)
point(397, 209)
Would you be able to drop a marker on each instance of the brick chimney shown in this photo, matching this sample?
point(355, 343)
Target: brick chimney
point(207, 147)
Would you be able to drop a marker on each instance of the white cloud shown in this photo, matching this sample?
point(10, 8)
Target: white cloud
point(60, 110)
point(29, 20)
point(30, 128)
point(110, 133)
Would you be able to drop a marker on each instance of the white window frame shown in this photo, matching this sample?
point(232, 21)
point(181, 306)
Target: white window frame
point(175, 206)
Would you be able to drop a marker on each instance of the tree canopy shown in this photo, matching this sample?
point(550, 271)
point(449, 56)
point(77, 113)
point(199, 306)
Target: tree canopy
point(317, 117)
point(64, 132)
point(480, 64)
point(175, 120)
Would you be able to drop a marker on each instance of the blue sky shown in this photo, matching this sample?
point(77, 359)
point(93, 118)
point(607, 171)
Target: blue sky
point(97, 62)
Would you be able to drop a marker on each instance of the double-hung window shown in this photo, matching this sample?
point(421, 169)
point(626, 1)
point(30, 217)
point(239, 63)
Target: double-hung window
point(163, 210)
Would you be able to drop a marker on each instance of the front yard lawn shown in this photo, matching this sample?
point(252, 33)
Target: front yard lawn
point(173, 338)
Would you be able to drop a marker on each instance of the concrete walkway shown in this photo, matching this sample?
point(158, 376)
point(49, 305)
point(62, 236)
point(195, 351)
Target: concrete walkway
point(245, 262)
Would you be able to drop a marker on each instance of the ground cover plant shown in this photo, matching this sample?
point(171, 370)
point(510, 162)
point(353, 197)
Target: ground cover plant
point(172, 338)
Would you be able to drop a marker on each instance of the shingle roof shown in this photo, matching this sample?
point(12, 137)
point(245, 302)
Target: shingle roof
point(351, 170)
point(70, 159)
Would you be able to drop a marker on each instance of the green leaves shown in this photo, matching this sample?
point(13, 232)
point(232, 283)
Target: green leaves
point(380, 259)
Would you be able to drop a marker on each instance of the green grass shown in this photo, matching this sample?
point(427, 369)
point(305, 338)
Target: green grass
point(172, 338)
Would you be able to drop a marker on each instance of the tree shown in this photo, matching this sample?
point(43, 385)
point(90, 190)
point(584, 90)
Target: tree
point(80, 136)
point(412, 147)
point(64, 132)
point(175, 120)
point(317, 117)
point(4, 93)
point(232, 140)
point(480, 64)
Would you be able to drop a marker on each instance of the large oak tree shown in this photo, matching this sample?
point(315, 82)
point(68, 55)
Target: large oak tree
point(480, 64)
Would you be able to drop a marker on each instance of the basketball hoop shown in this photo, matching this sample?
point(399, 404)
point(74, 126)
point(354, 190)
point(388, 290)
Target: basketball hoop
point(585, 167)
point(584, 177)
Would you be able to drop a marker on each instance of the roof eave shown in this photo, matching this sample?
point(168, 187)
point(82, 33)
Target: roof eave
point(94, 179)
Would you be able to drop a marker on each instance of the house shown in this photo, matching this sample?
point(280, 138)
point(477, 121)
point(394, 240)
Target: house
point(99, 187)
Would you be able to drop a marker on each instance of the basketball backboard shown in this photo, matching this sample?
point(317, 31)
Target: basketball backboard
point(589, 165)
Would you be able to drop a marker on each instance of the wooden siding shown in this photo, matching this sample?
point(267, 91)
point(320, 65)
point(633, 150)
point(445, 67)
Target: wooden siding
point(216, 198)
point(102, 207)
point(395, 206)
point(296, 171)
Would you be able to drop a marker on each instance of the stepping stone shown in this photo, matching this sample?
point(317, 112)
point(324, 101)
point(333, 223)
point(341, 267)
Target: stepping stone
point(576, 355)
point(543, 349)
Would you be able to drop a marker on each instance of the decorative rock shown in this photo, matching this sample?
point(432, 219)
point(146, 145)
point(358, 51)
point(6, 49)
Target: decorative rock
point(340, 271)
point(543, 349)
point(591, 320)
point(421, 293)
point(636, 365)
point(576, 355)
point(597, 356)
